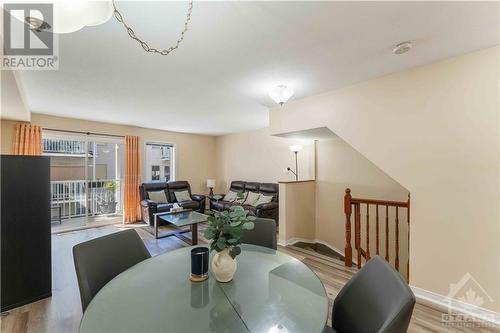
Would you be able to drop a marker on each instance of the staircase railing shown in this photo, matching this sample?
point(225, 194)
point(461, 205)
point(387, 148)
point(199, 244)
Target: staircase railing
point(352, 206)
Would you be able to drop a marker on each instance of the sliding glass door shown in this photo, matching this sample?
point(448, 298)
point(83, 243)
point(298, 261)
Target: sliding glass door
point(104, 174)
point(86, 179)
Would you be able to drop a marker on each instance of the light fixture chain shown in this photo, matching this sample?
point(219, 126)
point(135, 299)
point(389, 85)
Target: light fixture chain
point(144, 45)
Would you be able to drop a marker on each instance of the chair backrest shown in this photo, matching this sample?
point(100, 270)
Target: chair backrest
point(99, 260)
point(263, 234)
point(177, 186)
point(151, 187)
point(237, 186)
point(376, 299)
point(252, 187)
point(270, 189)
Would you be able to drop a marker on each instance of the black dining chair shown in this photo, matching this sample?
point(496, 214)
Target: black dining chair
point(376, 299)
point(263, 234)
point(99, 260)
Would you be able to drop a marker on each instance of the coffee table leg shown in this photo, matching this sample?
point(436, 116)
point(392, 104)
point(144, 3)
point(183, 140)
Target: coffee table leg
point(156, 227)
point(194, 234)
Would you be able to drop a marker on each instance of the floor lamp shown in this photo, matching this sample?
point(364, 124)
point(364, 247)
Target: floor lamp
point(295, 149)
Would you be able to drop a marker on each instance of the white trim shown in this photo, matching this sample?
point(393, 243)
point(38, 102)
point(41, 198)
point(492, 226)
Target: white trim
point(444, 303)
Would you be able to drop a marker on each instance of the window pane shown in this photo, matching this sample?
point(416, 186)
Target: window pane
point(158, 162)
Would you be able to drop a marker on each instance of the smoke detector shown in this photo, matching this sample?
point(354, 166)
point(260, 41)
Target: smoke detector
point(402, 47)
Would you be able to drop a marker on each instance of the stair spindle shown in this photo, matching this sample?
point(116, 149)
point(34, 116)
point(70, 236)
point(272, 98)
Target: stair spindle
point(367, 232)
point(363, 250)
point(387, 233)
point(357, 209)
point(376, 222)
point(396, 264)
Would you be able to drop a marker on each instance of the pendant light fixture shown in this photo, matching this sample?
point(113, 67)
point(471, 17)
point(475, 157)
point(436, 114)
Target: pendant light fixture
point(281, 94)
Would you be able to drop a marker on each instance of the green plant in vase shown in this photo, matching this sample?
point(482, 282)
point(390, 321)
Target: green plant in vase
point(225, 230)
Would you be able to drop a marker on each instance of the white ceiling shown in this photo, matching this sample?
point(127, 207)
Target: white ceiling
point(235, 52)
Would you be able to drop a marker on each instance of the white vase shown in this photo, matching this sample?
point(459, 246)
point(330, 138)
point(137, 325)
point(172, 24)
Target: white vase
point(223, 266)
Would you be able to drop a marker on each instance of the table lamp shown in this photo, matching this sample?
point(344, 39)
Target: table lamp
point(211, 185)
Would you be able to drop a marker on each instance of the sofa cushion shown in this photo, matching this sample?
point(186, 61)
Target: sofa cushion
point(194, 205)
point(252, 198)
point(269, 189)
point(241, 199)
point(177, 186)
point(263, 199)
point(237, 186)
point(158, 196)
point(230, 196)
point(182, 196)
point(252, 187)
point(151, 186)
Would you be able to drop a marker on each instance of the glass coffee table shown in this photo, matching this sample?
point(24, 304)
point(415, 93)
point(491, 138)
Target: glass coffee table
point(180, 219)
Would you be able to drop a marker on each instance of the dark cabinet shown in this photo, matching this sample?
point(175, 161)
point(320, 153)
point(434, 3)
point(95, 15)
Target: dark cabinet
point(25, 230)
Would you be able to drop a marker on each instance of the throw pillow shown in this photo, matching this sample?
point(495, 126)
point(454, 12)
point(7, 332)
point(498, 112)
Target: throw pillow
point(158, 196)
point(182, 196)
point(243, 198)
point(263, 199)
point(252, 197)
point(230, 196)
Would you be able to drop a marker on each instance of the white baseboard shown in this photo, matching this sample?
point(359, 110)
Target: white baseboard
point(439, 302)
point(445, 304)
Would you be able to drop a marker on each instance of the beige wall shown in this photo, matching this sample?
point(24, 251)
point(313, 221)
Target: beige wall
point(12, 105)
point(257, 156)
point(434, 129)
point(297, 211)
point(339, 166)
point(194, 153)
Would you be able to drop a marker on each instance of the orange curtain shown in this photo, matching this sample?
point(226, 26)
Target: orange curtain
point(132, 179)
point(28, 140)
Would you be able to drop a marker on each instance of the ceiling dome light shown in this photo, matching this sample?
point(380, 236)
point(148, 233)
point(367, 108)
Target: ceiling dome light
point(281, 94)
point(402, 47)
point(70, 16)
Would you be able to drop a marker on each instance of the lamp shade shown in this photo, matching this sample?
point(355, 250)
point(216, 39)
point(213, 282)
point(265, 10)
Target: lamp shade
point(281, 94)
point(295, 148)
point(210, 183)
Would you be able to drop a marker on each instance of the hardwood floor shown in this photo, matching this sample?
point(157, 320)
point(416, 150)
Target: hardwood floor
point(62, 312)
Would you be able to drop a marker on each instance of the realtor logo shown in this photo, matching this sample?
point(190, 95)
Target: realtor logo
point(28, 39)
point(465, 299)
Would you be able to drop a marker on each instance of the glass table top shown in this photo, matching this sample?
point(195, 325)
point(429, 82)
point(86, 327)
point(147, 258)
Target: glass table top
point(270, 292)
point(183, 218)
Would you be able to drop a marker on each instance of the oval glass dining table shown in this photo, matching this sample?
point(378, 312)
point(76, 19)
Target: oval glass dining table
point(270, 292)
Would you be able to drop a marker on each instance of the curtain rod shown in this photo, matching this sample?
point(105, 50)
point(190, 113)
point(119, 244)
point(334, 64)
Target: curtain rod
point(81, 132)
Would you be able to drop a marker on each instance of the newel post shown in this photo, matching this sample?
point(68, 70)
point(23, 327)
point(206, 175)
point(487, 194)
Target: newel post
point(348, 211)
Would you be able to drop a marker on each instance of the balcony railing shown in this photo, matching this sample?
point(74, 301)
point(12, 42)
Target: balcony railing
point(80, 198)
point(63, 147)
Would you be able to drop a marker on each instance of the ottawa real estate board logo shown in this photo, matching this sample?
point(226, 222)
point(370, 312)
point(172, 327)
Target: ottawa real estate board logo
point(28, 41)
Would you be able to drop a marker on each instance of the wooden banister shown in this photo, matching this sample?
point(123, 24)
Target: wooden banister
point(356, 203)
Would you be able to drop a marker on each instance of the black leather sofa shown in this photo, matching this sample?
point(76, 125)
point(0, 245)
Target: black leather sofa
point(268, 210)
point(149, 207)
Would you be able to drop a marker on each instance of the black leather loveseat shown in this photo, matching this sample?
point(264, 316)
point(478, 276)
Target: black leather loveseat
point(149, 207)
point(267, 210)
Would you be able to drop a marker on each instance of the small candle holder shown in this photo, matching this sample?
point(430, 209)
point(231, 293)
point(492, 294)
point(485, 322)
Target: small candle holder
point(199, 264)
